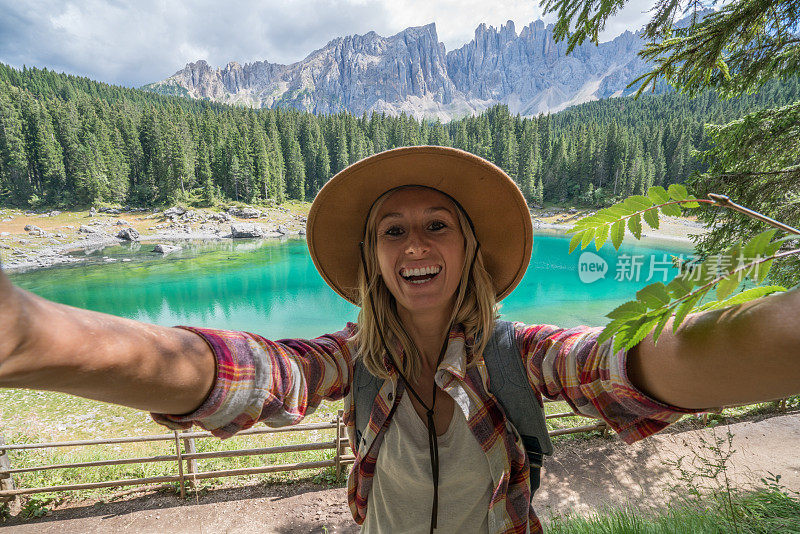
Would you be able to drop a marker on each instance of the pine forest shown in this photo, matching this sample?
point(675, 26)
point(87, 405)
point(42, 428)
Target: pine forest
point(68, 141)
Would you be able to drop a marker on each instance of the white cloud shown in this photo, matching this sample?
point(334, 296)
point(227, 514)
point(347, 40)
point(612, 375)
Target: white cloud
point(133, 43)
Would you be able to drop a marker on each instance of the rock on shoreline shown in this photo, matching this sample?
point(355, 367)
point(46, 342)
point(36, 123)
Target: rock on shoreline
point(166, 249)
point(25, 250)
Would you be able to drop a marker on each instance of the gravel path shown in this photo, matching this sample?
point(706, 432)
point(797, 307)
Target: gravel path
point(581, 477)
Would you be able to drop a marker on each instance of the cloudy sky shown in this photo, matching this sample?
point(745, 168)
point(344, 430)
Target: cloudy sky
point(137, 42)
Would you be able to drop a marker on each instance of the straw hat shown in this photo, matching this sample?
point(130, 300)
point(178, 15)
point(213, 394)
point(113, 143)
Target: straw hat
point(491, 199)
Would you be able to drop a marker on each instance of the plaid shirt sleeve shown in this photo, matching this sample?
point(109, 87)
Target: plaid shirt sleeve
point(277, 382)
point(569, 365)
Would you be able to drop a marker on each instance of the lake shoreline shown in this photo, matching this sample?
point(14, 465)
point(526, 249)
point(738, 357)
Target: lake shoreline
point(48, 242)
point(31, 241)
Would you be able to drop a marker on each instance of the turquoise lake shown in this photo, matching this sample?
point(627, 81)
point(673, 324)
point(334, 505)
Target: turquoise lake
point(272, 288)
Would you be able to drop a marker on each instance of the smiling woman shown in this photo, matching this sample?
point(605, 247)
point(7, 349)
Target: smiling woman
point(416, 238)
point(420, 251)
point(426, 240)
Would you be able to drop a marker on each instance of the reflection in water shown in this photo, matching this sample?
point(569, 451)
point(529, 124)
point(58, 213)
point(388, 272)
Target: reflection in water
point(272, 288)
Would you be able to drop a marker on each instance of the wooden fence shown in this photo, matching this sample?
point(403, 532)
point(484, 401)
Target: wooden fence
point(186, 456)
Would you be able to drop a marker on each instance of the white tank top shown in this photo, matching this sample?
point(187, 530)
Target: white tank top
point(402, 490)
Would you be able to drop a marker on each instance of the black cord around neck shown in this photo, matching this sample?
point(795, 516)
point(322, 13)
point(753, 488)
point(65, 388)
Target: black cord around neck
point(433, 442)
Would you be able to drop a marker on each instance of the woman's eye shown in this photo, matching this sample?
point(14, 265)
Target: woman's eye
point(437, 225)
point(393, 231)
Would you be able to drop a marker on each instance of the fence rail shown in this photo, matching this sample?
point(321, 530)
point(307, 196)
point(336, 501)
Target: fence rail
point(187, 457)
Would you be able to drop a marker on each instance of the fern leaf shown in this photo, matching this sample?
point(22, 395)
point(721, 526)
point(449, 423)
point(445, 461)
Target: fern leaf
point(658, 194)
point(600, 236)
point(726, 286)
point(641, 332)
point(635, 226)
point(679, 287)
point(690, 204)
point(651, 218)
point(662, 322)
point(678, 192)
point(684, 308)
point(654, 296)
point(761, 271)
point(617, 233)
point(702, 273)
point(573, 243)
point(628, 310)
point(633, 332)
point(638, 202)
point(757, 246)
point(620, 210)
point(588, 235)
point(673, 210)
point(750, 294)
point(611, 328)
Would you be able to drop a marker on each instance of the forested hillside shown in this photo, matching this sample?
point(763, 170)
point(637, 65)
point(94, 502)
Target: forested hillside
point(69, 141)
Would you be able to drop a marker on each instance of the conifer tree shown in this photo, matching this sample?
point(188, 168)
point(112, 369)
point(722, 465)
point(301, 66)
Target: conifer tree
point(277, 185)
point(341, 154)
point(295, 170)
point(13, 156)
point(322, 166)
point(735, 50)
point(204, 175)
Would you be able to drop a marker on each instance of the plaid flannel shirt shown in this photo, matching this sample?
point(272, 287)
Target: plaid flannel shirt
point(280, 382)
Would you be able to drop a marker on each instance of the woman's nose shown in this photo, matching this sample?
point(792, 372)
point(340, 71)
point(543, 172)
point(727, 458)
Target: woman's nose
point(416, 243)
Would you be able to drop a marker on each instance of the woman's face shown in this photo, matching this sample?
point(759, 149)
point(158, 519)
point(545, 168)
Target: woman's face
point(420, 250)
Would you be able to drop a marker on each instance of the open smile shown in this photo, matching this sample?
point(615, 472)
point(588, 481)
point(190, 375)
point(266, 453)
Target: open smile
point(420, 275)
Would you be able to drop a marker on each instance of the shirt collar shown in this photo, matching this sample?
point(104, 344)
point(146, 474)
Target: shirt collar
point(454, 360)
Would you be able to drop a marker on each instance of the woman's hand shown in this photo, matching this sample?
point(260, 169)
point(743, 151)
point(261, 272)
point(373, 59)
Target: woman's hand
point(50, 346)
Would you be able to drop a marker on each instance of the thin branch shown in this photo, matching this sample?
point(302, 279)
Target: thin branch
point(725, 202)
point(706, 287)
point(653, 207)
point(758, 173)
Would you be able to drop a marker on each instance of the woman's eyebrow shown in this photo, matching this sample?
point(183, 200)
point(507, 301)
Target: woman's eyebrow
point(438, 208)
point(392, 215)
point(428, 211)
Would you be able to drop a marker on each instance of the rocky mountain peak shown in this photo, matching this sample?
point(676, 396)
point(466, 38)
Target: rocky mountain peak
point(412, 72)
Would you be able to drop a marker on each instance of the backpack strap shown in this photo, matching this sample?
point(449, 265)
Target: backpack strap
point(366, 387)
point(508, 382)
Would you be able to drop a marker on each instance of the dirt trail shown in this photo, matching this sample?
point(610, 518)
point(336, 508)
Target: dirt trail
point(581, 477)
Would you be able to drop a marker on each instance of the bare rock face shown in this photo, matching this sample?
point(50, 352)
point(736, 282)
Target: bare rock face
point(128, 234)
point(166, 249)
point(174, 211)
point(411, 72)
point(533, 74)
point(245, 213)
point(246, 230)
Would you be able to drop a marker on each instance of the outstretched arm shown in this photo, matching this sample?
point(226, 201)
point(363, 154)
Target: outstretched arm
point(743, 354)
point(44, 345)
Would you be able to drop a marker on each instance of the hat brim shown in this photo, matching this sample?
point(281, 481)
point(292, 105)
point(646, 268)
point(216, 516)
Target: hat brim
point(492, 200)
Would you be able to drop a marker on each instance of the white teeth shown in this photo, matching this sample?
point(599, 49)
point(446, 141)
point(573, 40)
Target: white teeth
point(420, 271)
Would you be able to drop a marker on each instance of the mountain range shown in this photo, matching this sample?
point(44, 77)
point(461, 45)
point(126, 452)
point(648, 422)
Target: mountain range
point(412, 73)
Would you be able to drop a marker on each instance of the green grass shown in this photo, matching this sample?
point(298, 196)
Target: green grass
point(689, 421)
point(36, 416)
point(60, 417)
point(768, 511)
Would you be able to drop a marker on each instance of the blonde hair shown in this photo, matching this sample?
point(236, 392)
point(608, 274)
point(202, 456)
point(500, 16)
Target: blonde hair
point(474, 309)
